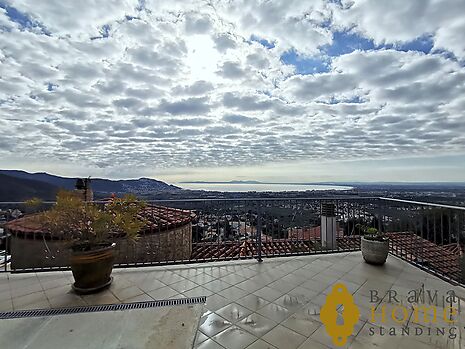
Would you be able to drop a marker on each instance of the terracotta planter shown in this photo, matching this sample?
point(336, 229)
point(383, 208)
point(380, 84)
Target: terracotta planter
point(92, 269)
point(375, 252)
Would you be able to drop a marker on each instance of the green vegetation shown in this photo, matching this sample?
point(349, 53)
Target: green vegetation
point(371, 233)
point(89, 225)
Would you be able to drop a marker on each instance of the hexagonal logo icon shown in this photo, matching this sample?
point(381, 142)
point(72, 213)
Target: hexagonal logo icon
point(350, 314)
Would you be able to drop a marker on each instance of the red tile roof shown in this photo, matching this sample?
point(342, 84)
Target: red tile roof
point(441, 259)
point(307, 233)
point(165, 218)
point(455, 249)
point(411, 247)
point(28, 225)
point(160, 218)
point(270, 247)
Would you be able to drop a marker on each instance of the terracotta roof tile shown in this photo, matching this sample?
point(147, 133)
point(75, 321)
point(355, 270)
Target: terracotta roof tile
point(26, 224)
point(160, 218)
point(441, 259)
point(307, 233)
point(165, 218)
point(270, 247)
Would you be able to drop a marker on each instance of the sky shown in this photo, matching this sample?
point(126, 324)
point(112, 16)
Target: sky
point(284, 90)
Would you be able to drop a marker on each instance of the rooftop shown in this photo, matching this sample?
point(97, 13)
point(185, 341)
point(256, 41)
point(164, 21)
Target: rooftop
point(273, 304)
point(158, 218)
point(250, 303)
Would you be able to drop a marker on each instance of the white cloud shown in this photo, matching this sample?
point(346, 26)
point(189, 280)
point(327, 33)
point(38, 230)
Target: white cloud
point(197, 24)
point(183, 85)
point(71, 18)
point(287, 23)
point(403, 21)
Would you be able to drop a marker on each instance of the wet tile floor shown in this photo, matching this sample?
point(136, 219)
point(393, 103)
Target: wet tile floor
point(273, 304)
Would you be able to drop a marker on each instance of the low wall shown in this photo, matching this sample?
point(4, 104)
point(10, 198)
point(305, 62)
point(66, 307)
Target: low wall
point(170, 245)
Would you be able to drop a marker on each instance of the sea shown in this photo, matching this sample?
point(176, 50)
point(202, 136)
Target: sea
point(258, 187)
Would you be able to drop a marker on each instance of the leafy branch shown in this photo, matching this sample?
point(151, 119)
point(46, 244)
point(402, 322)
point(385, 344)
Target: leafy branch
point(87, 224)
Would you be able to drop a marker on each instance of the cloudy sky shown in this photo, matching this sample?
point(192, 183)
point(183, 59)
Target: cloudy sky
point(286, 90)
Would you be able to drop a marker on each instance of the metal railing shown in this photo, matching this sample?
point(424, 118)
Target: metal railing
point(428, 235)
point(431, 236)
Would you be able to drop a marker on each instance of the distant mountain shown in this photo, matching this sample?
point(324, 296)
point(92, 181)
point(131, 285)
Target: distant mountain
point(20, 189)
point(141, 186)
point(61, 182)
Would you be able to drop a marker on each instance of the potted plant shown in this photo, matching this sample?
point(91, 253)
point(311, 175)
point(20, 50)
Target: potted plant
point(375, 245)
point(90, 229)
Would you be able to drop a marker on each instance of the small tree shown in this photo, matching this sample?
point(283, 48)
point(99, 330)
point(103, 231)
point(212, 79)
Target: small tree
point(33, 205)
point(89, 225)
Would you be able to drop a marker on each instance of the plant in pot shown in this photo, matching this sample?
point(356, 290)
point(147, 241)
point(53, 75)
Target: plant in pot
point(91, 229)
point(375, 245)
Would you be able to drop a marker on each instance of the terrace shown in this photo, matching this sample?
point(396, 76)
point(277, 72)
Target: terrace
point(255, 301)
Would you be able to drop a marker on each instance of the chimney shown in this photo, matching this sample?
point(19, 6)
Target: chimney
point(328, 225)
point(84, 190)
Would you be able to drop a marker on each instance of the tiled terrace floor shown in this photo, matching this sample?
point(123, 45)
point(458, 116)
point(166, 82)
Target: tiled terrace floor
point(274, 304)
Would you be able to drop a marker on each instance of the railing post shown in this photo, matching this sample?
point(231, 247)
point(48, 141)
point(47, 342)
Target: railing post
point(461, 258)
point(5, 262)
point(380, 216)
point(258, 234)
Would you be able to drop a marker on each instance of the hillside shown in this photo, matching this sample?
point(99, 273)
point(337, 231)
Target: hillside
point(20, 189)
point(142, 186)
